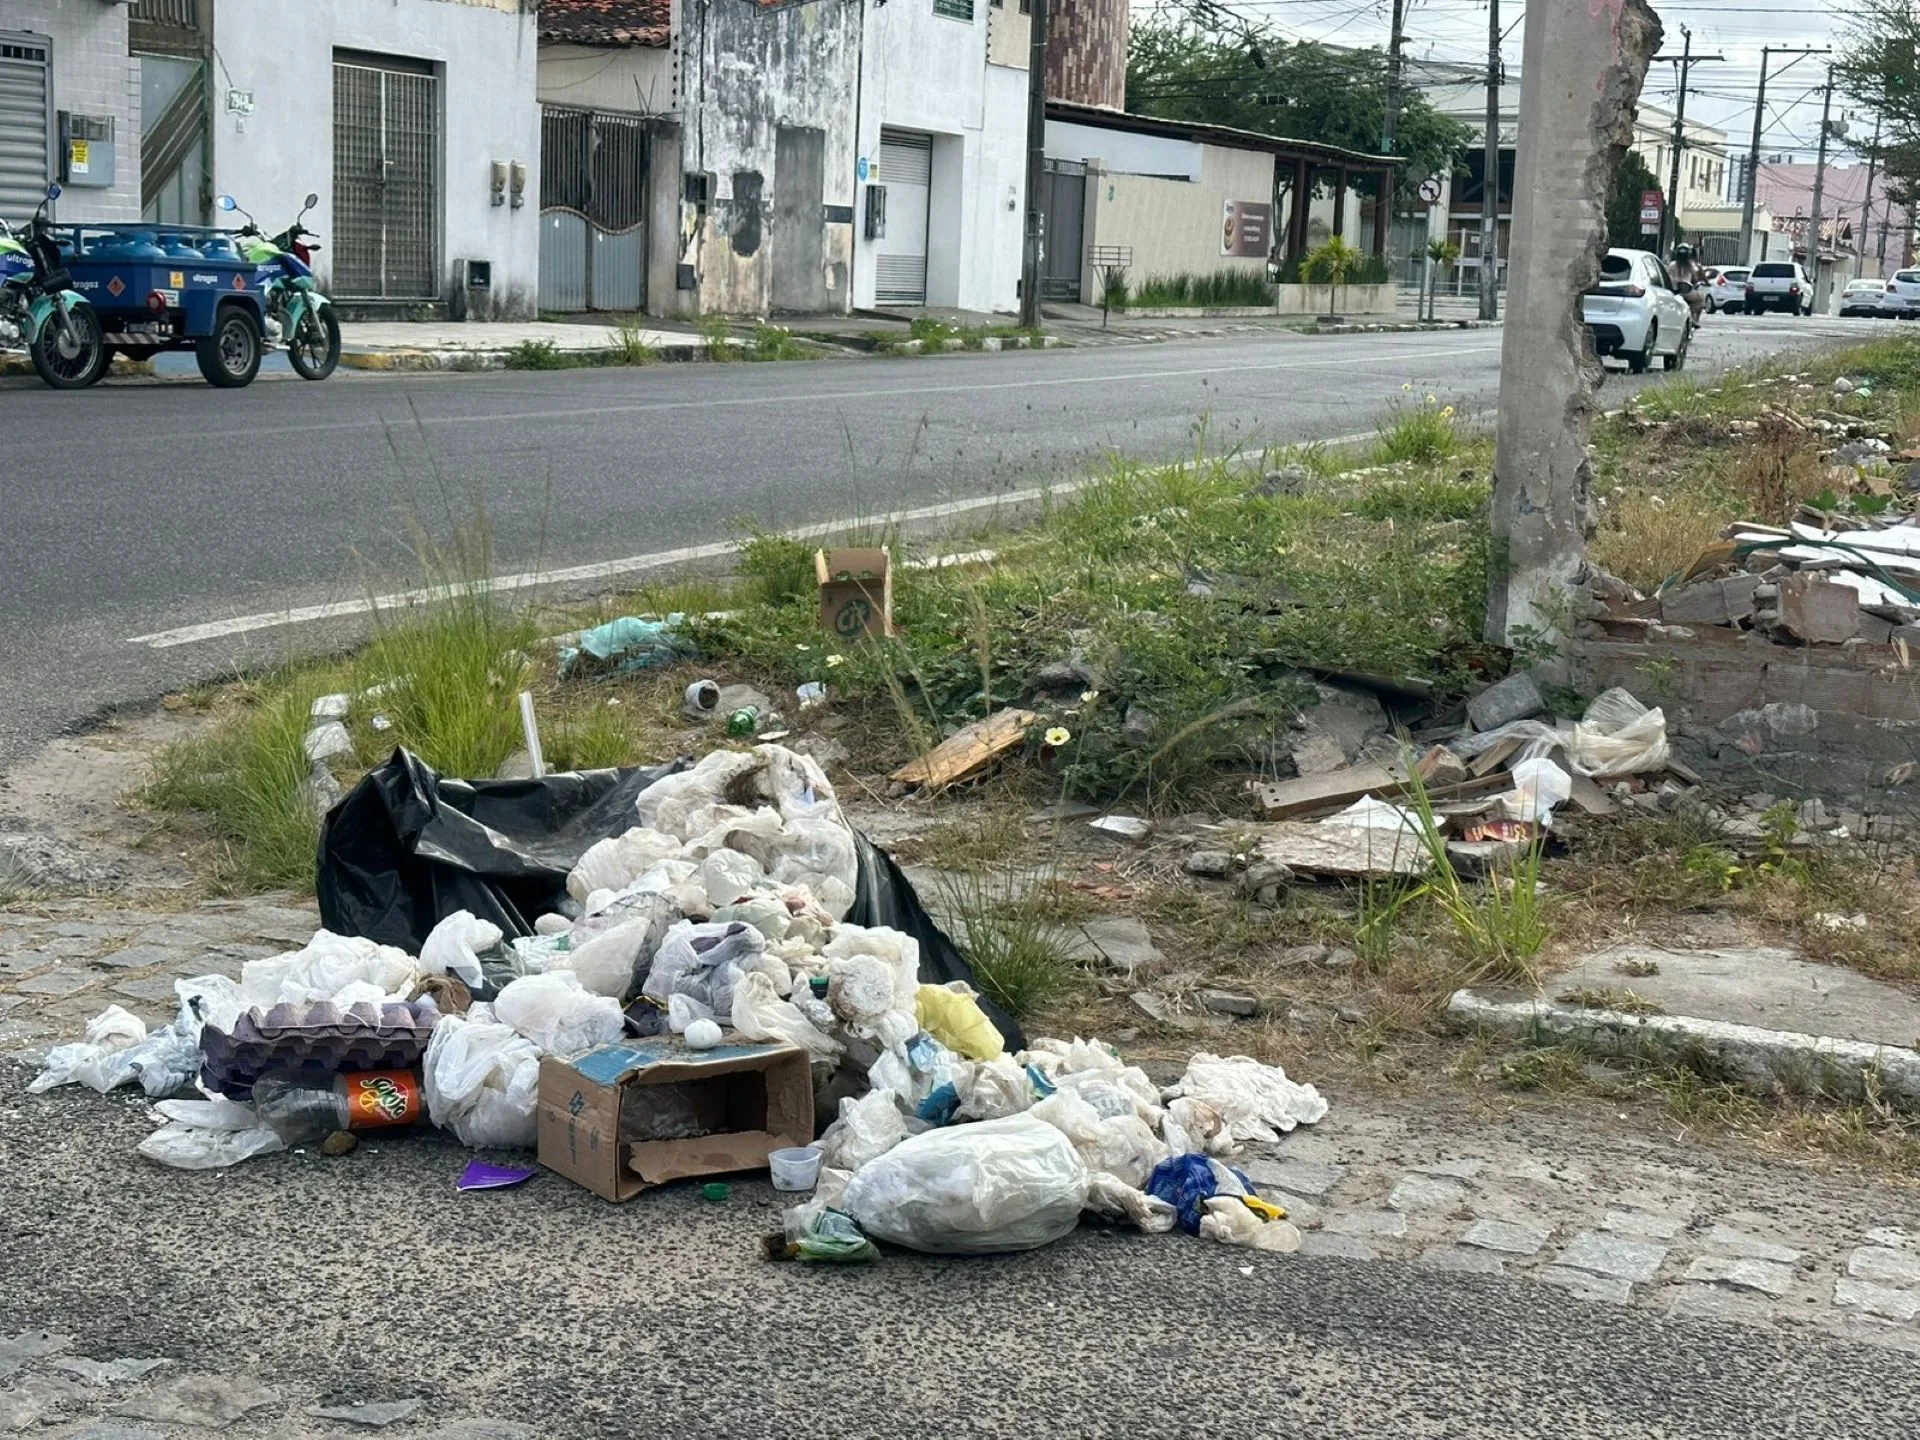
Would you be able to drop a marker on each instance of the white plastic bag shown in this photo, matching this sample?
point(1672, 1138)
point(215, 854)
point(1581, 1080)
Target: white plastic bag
point(1538, 786)
point(614, 864)
point(1121, 1146)
point(729, 876)
point(1109, 1196)
point(452, 948)
point(215, 1114)
point(869, 1126)
point(991, 1089)
point(1232, 1223)
point(703, 962)
point(557, 1013)
point(1001, 1185)
point(1620, 736)
point(325, 970)
point(612, 950)
point(760, 1014)
point(187, 1147)
point(97, 1061)
point(1255, 1101)
point(481, 1079)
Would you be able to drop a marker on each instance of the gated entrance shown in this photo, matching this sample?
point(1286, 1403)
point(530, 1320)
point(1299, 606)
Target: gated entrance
point(386, 178)
point(593, 210)
point(1063, 203)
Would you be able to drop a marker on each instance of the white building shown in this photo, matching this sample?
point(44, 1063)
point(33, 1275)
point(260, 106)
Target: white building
point(942, 154)
point(415, 123)
point(66, 62)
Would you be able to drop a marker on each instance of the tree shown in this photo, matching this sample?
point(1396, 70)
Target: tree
point(1331, 263)
point(1877, 70)
point(1630, 177)
point(1254, 79)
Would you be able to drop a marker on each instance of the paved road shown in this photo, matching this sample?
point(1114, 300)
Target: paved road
point(142, 507)
point(369, 1279)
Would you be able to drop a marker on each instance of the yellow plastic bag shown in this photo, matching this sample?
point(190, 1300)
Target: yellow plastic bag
point(955, 1019)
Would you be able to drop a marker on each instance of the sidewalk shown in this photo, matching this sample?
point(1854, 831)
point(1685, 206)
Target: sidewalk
point(455, 345)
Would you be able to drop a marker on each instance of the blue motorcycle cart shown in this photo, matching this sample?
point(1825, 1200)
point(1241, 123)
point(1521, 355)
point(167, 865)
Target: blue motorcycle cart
point(172, 287)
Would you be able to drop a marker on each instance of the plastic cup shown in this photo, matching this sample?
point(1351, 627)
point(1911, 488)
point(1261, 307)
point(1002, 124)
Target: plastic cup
point(797, 1169)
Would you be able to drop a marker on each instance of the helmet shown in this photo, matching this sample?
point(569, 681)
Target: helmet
point(1683, 252)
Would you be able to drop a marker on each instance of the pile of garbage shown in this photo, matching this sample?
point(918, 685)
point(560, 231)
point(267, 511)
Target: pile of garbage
point(722, 908)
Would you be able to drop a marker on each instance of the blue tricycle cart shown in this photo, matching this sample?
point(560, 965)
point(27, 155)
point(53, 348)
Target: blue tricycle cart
point(174, 287)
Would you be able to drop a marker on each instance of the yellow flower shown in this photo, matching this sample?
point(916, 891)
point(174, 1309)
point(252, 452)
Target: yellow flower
point(835, 661)
point(1087, 697)
point(1058, 736)
point(1447, 414)
point(1433, 399)
point(1408, 386)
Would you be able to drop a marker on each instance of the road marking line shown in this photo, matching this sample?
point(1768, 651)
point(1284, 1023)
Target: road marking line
point(607, 569)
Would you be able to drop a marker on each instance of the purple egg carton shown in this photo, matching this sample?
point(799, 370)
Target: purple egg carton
point(314, 1042)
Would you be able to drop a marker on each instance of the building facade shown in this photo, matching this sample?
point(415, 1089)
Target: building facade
point(70, 94)
point(414, 122)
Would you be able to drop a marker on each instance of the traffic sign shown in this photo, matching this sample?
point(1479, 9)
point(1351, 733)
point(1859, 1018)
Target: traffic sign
point(1430, 189)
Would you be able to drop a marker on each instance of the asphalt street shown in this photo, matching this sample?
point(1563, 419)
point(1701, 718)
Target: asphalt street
point(369, 1279)
point(141, 507)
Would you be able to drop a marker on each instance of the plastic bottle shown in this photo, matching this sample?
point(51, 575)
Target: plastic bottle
point(303, 1114)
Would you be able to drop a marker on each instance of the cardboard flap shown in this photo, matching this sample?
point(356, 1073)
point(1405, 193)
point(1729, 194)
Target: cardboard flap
point(656, 1162)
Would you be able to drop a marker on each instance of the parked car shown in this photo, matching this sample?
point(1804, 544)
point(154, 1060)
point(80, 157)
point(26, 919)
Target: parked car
point(1634, 314)
point(1728, 288)
point(1902, 295)
point(1779, 285)
point(1868, 297)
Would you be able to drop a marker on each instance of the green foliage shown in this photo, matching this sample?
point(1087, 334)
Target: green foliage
point(1630, 177)
point(1876, 68)
point(717, 331)
point(1221, 289)
point(1442, 251)
point(536, 355)
point(776, 342)
point(1422, 432)
point(631, 346)
point(1332, 263)
point(1014, 940)
point(774, 569)
point(1252, 78)
point(1718, 867)
point(248, 779)
point(1115, 288)
point(1426, 501)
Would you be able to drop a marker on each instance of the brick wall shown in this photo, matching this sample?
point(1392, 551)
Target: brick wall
point(1087, 52)
point(92, 75)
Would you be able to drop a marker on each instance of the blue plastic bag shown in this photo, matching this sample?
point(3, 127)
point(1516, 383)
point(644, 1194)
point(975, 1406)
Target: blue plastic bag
point(1186, 1182)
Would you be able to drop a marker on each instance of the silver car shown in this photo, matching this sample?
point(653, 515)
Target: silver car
point(1902, 295)
point(1867, 297)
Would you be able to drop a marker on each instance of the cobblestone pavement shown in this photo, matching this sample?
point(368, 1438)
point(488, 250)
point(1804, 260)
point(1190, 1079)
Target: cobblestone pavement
point(1615, 1217)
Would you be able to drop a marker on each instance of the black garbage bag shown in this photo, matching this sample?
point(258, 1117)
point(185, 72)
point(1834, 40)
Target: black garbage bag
point(408, 847)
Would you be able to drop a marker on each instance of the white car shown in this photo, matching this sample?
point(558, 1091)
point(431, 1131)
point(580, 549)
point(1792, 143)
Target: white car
point(1634, 314)
point(1902, 295)
point(1779, 285)
point(1869, 297)
point(1728, 288)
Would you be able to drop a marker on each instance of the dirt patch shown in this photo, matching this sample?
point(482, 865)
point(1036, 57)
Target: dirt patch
point(66, 825)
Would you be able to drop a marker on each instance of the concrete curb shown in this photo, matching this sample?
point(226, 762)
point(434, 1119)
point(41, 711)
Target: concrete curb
point(1760, 1060)
point(410, 360)
point(12, 366)
point(1404, 327)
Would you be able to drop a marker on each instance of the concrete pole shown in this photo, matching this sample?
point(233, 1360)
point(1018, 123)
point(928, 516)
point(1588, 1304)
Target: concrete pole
point(1036, 166)
point(1866, 208)
point(1819, 185)
point(1753, 164)
point(1581, 72)
point(1490, 186)
point(1669, 212)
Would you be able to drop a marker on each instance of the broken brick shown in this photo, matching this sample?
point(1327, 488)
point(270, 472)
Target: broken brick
point(1818, 611)
point(1710, 602)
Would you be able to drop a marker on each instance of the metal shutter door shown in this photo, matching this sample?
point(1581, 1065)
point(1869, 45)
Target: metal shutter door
point(23, 127)
point(900, 258)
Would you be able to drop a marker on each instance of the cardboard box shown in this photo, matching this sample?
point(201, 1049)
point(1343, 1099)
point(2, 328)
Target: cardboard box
point(856, 592)
point(598, 1112)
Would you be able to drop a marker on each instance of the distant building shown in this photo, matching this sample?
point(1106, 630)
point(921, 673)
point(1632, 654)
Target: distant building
point(1861, 242)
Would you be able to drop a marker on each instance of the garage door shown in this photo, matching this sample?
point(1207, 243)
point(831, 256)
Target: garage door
point(386, 178)
point(900, 255)
point(23, 125)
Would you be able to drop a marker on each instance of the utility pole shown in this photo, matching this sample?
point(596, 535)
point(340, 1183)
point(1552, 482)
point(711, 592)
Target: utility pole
point(1036, 166)
point(1866, 207)
point(1753, 154)
point(1389, 131)
point(1490, 186)
point(1686, 60)
point(1819, 184)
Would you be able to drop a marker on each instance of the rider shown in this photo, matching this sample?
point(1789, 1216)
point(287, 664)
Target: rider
point(1685, 270)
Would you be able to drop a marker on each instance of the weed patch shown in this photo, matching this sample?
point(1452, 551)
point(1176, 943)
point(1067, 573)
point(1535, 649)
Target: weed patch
point(537, 355)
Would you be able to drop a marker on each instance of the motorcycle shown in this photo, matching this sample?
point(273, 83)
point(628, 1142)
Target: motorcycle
point(39, 309)
point(303, 316)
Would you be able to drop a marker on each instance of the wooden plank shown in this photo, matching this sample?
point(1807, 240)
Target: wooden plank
point(1495, 756)
point(968, 750)
point(1334, 791)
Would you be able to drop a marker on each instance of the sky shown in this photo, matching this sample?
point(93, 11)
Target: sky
point(1719, 93)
